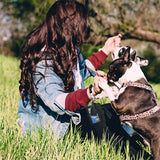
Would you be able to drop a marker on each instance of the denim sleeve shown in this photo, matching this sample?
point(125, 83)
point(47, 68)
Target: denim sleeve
point(50, 88)
point(86, 68)
point(90, 67)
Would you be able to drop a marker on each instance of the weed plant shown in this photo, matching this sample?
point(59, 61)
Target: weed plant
point(44, 145)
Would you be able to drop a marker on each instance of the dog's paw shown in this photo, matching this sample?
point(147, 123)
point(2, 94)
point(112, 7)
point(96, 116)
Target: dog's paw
point(103, 83)
point(101, 95)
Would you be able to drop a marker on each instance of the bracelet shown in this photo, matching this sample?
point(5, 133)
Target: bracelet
point(91, 94)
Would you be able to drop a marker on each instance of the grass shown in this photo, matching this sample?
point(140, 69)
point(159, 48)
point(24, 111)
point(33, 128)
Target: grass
point(43, 145)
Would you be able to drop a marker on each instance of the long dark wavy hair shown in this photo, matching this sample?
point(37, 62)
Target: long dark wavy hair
point(65, 27)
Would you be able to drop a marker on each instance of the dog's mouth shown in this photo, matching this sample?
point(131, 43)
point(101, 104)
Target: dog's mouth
point(112, 77)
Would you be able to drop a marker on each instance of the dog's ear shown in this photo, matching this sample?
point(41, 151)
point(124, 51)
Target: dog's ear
point(141, 61)
point(121, 52)
point(126, 56)
point(133, 55)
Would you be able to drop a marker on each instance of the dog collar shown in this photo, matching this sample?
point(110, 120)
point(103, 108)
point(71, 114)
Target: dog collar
point(138, 84)
point(144, 114)
point(140, 115)
point(141, 85)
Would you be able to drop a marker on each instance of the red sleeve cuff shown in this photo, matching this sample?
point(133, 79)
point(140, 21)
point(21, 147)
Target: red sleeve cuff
point(76, 99)
point(97, 59)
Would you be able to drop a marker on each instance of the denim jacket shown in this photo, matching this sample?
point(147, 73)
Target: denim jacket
point(51, 101)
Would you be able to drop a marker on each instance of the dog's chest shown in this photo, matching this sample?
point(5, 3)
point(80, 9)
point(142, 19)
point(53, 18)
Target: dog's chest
point(121, 91)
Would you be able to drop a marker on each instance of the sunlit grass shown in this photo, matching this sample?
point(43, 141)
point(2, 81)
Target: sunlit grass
point(43, 145)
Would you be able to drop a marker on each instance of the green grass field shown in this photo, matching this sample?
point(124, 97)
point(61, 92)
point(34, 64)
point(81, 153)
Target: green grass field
point(41, 146)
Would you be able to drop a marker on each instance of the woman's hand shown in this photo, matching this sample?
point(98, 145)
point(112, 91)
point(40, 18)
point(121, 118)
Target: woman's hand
point(111, 44)
point(96, 89)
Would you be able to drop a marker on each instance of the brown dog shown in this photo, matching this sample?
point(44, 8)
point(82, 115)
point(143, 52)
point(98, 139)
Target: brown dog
point(136, 101)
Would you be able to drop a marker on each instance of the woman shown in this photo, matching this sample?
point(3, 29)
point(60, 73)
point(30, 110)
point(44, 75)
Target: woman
point(53, 70)
point(53, 73)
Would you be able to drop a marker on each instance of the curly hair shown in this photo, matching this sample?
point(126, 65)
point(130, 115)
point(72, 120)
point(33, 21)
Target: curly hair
point(65, 27)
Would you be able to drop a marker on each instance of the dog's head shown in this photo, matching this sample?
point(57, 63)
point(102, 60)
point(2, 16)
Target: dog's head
point(124, 68)
point(119, 53)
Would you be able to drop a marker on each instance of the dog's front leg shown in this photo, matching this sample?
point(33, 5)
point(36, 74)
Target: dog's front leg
point(107, 90)
point(114, 89)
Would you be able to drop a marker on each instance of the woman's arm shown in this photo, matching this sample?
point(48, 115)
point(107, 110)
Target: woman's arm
point(51, 91)
point(81, 97)
point(97, 59)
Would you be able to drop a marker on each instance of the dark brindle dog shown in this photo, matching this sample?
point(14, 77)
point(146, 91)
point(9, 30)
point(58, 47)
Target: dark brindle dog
point(136, 101)
point(119, 53)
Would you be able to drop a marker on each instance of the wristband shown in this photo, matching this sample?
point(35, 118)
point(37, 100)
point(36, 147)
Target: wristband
point(91, 94)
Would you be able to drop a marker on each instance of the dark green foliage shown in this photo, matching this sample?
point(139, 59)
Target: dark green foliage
point(16, 45)
point(152, 71)
point(25, 10)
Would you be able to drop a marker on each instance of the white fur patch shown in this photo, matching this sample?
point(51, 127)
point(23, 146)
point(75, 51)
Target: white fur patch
point(133, 74)
point(108, 91)
point(120, 92)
